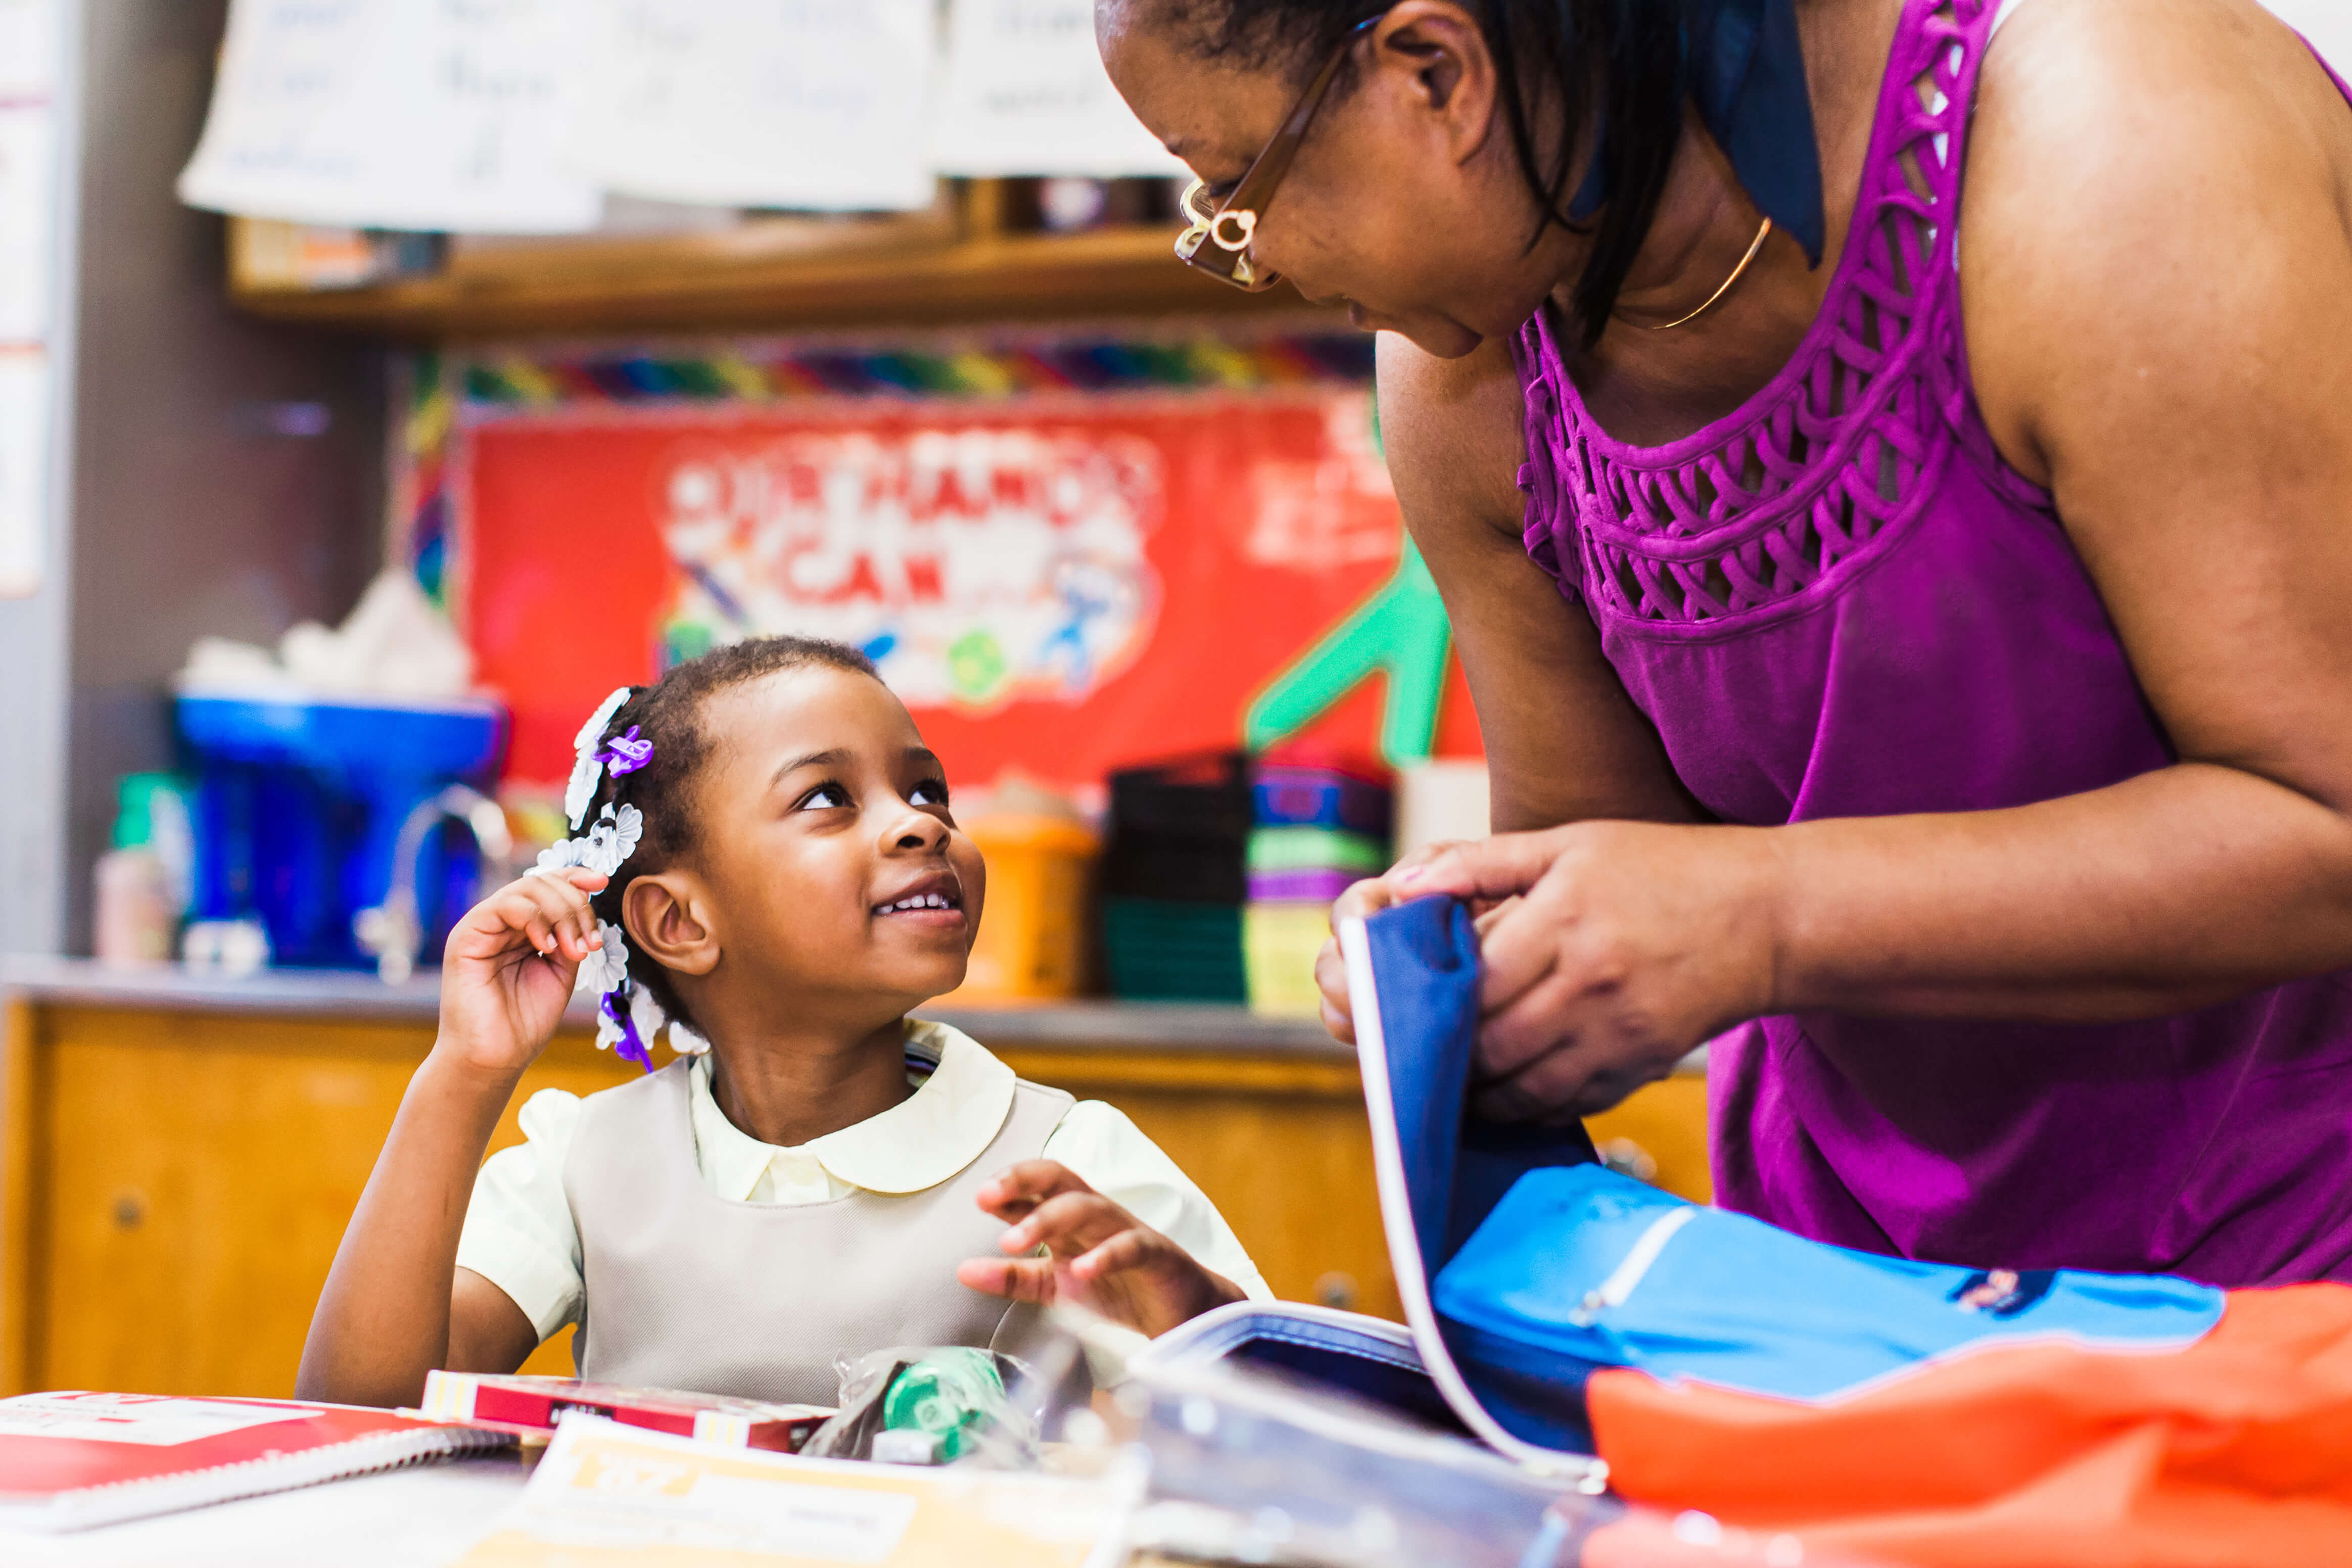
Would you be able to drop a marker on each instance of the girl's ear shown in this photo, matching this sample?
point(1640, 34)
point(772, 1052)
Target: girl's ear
point(665, 916)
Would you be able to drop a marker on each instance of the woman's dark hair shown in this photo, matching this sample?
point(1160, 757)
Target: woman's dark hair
point(669, 714)
point(1616, 66)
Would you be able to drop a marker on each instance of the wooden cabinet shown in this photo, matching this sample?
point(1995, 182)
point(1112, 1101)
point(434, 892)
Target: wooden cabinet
point(173, 1183)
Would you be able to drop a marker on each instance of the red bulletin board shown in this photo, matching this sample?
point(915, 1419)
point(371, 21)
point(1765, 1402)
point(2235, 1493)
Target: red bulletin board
point(1064, 585)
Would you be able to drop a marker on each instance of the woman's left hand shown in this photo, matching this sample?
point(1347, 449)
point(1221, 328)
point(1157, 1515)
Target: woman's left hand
point(1096, 1252)
point(1619, 947)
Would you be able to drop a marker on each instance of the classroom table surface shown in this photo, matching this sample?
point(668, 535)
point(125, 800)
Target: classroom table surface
point(422, 1517)
point(425, 1516)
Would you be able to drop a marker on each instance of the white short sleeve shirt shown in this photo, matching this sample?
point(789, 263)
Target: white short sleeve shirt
point(519, 1232)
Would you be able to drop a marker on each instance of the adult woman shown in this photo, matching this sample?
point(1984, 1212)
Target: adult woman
point(1935, 667)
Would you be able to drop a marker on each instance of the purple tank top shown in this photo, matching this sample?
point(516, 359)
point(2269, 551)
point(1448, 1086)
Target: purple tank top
point(1840, 601)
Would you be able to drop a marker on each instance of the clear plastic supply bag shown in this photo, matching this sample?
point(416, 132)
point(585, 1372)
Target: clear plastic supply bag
point(1260, 1465)
point(929, 1405)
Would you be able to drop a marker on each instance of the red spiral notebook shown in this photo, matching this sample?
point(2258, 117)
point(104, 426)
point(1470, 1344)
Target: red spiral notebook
point(69, 1461)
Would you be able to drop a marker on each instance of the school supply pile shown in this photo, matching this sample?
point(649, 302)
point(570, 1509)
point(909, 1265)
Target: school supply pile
point(72, 1460)
point(1174, 879)
point(1320, 826)
point(1588, 1326)
point(528, 1406)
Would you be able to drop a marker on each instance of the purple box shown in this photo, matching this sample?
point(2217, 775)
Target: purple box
point(1301, 797)
point(1311, 884)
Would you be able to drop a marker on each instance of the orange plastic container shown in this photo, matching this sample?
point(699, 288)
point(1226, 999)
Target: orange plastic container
point(1032, 929)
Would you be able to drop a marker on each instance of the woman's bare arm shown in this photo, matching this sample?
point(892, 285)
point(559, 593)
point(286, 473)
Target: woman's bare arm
point(1563, 741)
point(2160, 322)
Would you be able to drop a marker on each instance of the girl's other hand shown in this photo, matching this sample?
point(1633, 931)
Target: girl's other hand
point(1097, 1253)
point(507, 970)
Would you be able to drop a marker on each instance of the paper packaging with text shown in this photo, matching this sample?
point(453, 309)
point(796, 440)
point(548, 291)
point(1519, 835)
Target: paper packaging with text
point(611, 1492)
point(525, 1404)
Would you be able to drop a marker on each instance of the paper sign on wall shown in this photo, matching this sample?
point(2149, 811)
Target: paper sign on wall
point(1025, 94)
point(820, 104)
point(407, 114)
point(29, 49)
point(24, 468)
point(1064, 586)
point(27, 230)
point(977, 566)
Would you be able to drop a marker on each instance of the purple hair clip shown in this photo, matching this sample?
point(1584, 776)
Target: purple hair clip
point(629, 1045)
point(625, 754)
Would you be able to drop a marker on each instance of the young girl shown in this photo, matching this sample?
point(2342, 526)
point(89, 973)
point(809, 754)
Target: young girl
point(766, 863)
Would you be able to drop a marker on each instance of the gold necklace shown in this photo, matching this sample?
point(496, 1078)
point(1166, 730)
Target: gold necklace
point(1753, 250)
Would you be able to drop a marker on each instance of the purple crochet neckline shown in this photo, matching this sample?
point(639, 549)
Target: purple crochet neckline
point(1754, 513)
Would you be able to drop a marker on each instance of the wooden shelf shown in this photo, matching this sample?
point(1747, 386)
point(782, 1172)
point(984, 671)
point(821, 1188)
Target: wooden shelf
point(734, 281)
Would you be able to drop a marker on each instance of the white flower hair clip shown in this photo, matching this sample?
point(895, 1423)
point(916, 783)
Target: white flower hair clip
point(588, 758)
point(627, 1017)
point(606, 969)
point(627, 1014)
point(601, 847)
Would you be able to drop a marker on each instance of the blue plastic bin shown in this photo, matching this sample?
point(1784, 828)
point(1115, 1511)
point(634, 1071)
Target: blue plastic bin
point(299, 805)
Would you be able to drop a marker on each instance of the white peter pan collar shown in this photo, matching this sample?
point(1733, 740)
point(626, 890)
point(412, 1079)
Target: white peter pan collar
point(948, 1122)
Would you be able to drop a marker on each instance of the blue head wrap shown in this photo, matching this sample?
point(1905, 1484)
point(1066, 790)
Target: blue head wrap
point(1744, 67)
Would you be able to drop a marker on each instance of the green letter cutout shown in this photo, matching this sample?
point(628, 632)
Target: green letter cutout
point(1401, 631)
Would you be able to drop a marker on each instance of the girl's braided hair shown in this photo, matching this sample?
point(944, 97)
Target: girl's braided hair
point(668, 714)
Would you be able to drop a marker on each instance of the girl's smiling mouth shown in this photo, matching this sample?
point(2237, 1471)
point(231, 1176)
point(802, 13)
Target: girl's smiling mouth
point(934, 900)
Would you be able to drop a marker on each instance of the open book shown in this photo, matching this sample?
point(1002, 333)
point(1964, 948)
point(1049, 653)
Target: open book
point(1413, 978)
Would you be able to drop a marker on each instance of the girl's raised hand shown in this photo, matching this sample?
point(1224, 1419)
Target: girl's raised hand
point(1097, 1253)
point(508, 968)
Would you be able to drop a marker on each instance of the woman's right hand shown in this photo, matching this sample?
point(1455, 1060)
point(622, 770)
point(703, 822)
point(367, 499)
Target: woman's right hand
point(507, 970)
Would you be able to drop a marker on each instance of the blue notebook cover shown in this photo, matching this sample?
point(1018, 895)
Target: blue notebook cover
point(1413, 979)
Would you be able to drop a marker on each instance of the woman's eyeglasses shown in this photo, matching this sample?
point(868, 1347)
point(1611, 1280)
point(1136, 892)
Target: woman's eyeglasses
point(1218, 242)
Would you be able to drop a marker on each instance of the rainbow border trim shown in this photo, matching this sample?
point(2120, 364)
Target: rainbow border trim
point(440, 391)
point(776, 374)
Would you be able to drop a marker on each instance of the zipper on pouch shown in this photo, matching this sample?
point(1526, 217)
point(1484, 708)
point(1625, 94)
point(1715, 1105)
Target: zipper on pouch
point(1637, 1262)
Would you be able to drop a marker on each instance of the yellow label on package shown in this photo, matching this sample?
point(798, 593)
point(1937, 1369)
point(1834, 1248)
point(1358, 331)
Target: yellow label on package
point(607, 1493)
